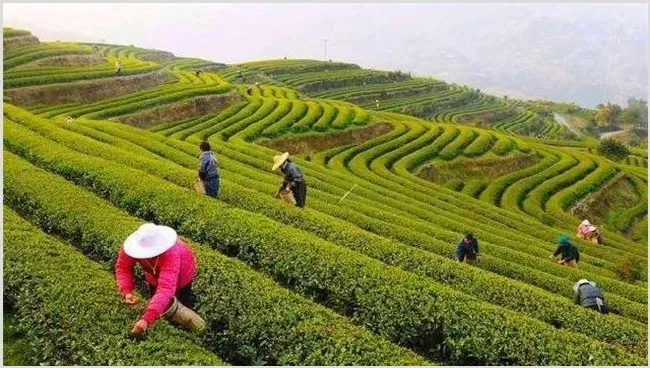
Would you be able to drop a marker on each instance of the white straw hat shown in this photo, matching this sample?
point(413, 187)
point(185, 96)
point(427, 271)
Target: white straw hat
point(585, 222)
point(581, 282)
point(150, 240)
point(279, 160)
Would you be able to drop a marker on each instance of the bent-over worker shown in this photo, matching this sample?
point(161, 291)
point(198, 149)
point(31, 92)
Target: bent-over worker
point(208, 170)
point(570, 254)
point(293, 179)
point(589, 232)
point(169, 267)
point(467, 249)
point(583, 229)
point(590, 296)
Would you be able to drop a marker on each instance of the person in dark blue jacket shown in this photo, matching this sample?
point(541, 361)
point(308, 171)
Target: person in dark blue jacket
point(570, 253)
point(590, 296)
point(293, 179)
point(467, 249)
point(208, 170)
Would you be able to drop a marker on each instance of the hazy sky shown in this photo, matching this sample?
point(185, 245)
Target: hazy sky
point(582, 52)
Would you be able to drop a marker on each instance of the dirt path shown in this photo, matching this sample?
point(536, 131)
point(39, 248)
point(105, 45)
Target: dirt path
point(609, 134)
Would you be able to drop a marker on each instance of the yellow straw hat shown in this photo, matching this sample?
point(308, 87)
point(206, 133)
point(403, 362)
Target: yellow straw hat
point(279, 160)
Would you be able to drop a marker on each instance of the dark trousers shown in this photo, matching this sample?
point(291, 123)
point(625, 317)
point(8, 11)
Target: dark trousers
point(212, 186)
point(185, 295)
point(299, 190)
point(603, 309)
point(469, 258)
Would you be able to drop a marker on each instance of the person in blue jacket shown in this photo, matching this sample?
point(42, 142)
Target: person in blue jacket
point(293, 179)
point(590, 296)
point(208, 170)
point(467, 249)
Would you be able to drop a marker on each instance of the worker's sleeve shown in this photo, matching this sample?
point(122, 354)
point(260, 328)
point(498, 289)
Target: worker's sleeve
point(294, 173)
point(124, 272)
point(460, 253)
point(170, 267)
point(286, 181)
point(204, 160)
point(577, 252)
point(557, 251)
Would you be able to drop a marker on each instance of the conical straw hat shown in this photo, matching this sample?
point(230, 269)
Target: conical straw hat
point(279, 160)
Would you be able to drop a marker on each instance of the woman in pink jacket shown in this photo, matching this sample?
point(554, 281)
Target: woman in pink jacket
point(169, 266)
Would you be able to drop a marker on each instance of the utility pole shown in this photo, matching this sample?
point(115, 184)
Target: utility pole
point(325, 43)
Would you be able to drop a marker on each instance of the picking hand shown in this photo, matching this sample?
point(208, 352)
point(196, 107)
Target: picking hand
point(140, 327)
point(130, 299)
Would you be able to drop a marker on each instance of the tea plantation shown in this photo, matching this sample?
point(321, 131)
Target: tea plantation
point(369, 279)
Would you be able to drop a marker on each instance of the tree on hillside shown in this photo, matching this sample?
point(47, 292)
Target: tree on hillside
point(591, 129)
point(602, 114)
point(636, 115)
point(607, 115)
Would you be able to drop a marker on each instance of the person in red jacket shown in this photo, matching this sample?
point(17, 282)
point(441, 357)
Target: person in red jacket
point(169, 266)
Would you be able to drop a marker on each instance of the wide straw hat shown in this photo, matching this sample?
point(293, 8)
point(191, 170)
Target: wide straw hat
point(279, 160)
point(150, 240)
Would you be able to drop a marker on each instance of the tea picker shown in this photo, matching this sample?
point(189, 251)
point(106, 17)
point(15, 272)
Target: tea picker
point(570, 254)
point(467, 249)
point(208, 176)
point(293, 188)
point(590, 232)
point(169, 267)
point(590, 296)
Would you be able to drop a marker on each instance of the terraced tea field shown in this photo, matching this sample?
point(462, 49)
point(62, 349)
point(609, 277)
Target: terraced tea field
point(367, 280)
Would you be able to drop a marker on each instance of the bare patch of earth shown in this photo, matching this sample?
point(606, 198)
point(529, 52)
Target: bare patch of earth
point(476, 169)
point(68, 60)
point(16, 42)
point(311, 143)
point(156, 56)
point(190, 108)
point(615, 196)
point(85, 91)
